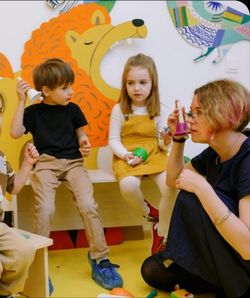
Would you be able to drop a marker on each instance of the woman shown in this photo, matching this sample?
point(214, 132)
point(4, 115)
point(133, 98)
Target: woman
point(208, 247)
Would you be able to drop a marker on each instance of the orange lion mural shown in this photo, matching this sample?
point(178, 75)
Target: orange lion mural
point(82, 36)
point(79, 38)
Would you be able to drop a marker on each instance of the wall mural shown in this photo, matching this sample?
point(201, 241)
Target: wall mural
point(209, 25)
point(81, 36)
point(67, 5)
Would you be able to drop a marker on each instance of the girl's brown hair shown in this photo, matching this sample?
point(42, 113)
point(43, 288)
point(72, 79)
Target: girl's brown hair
point(225, 103)
point(153, 102)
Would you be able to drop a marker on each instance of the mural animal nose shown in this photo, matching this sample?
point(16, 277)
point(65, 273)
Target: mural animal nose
point(138, 22)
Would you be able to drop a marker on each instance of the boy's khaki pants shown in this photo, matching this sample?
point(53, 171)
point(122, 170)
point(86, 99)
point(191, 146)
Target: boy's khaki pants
point(47, 175)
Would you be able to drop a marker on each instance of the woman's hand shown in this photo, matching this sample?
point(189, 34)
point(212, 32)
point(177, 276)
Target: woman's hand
point(173, 118)
point(190, 181)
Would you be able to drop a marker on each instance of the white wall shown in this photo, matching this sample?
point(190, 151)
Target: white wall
point(178, 74)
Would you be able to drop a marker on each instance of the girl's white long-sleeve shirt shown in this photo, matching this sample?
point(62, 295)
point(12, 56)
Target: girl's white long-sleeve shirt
point(116, 120)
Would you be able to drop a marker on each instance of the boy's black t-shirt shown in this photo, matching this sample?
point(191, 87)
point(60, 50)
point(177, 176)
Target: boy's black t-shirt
point(54, 128)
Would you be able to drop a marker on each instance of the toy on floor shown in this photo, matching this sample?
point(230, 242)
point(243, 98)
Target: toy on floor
point(182, 126)
point(139, 152)
point(117, 293)
point(121, 292)
point(180, 293)
point(152, 294)
point(110, 296)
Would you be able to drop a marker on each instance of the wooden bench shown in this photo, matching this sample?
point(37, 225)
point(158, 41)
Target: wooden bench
point(106, 193)
point(37, 284)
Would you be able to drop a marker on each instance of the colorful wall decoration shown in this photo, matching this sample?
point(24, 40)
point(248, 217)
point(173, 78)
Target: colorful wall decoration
point(209, 25)
point(66, 5)
point(82, 36)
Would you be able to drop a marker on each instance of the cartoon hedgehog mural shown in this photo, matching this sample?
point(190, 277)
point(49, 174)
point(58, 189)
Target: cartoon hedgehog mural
point(209, 25)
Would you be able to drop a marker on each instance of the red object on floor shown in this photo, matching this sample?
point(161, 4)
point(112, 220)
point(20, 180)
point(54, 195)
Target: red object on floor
point(61, 240)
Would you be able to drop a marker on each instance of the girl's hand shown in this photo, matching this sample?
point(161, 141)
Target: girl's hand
point(85, 147)
point(190, 181)
point(132, 160)
point(31, 154)
point(166, 136)
point(22, 89)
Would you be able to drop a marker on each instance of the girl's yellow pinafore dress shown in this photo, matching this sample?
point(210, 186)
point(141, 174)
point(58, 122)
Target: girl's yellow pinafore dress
point(140, 131)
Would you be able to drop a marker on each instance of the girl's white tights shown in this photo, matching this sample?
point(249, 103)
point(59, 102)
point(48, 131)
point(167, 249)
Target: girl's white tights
point(130, 187)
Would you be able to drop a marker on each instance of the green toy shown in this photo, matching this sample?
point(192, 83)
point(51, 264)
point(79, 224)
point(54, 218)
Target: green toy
point(141, 152)
point(152, 294)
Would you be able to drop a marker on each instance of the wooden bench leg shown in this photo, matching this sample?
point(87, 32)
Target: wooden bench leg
point(37, 284)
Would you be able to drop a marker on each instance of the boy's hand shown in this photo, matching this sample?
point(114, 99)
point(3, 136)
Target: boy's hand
point(22, 89)
point(31, 154)
point(85, 147)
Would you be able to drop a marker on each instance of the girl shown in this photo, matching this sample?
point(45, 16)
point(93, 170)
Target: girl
point(138, 121)
point(208, 248)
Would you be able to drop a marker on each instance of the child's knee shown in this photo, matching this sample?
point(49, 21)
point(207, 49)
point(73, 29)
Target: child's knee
point(27, 249)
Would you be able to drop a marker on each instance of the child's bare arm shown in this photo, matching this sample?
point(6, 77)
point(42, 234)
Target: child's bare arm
point(30, 157)
point(17, 127)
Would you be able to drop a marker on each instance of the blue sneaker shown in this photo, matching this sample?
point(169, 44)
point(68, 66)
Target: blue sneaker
point(51, 288)
point(105, 274)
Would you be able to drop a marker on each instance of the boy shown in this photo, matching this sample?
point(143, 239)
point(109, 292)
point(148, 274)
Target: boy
point(56, 125)
point(16, 253)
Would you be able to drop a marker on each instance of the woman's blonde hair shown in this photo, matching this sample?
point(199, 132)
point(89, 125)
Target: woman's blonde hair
point(153, 102)
point(225, 103)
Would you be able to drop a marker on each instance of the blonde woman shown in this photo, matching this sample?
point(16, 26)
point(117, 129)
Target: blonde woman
point(208, 248)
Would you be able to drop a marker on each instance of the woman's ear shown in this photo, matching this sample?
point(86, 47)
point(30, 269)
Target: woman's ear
point(211, 135)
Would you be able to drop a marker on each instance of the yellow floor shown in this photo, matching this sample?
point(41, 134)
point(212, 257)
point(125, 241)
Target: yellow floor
point(71, 274)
